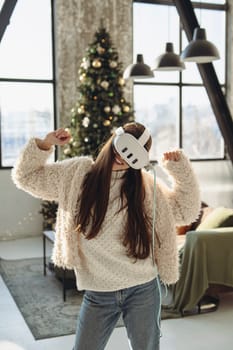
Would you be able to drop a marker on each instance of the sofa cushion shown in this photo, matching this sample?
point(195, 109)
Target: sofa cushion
point(219, 217)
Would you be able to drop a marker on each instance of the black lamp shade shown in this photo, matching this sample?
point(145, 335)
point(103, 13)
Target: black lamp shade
point(199, 49)
point(169, 61)
point(138, 70)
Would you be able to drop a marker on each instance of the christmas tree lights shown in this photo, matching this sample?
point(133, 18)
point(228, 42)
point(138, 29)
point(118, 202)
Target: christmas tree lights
point(101, 106)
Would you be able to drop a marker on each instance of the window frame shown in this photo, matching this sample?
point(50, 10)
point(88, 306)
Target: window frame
point(51, 82)
point(180, 84)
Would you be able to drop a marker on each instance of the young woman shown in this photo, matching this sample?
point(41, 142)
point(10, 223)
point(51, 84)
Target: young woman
point(104, 232)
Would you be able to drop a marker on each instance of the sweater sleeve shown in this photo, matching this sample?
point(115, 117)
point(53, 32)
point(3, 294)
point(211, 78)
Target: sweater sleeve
point(34, 175)
point(184, 194)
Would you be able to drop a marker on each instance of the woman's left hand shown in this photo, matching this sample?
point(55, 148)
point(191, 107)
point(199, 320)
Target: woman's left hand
point(172, 155)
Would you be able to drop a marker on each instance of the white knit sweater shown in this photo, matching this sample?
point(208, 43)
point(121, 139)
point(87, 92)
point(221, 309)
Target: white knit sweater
point(101, 264)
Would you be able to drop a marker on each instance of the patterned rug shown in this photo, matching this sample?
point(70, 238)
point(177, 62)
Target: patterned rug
point(40, 299)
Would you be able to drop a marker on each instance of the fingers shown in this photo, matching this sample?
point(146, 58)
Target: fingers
point(62, 134)
point(172, 155)
point(58, 137)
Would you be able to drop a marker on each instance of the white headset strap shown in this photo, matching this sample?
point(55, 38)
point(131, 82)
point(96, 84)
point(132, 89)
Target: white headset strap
point(119, 131)
point(144, 137)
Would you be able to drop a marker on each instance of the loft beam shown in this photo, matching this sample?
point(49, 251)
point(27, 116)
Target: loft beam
point(5, 15)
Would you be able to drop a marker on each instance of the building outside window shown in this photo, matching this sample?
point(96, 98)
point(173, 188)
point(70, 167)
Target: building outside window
point(26, 77)
point(175, 106)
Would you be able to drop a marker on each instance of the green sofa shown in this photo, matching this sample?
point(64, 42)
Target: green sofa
point(206, 261)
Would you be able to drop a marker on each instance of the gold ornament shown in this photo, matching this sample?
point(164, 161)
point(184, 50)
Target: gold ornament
point(106, 122)
point(107, 109)
point(126, 108)
point(81, 109)
point(82, 77)
point(95, 98)
point(121, 81)
point(100, 50)
point(96, 63)
point(113, 64)
point(67, 151)
point(104, 84)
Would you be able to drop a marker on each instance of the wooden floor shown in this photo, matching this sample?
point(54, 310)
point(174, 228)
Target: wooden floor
point(210, 331)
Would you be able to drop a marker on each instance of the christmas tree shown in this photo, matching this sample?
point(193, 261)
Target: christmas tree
point(101, 106)
point(49, 213)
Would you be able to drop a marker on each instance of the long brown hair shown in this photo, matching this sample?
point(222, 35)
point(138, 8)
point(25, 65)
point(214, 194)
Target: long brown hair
point(94, 198)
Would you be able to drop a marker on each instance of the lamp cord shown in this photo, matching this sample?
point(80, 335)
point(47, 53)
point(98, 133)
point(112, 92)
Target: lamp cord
point(158, 321)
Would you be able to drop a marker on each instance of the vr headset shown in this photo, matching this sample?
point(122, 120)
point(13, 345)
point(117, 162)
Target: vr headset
point(131, 149)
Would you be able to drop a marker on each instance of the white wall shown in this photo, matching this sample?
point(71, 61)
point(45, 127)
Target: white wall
point(19, 215)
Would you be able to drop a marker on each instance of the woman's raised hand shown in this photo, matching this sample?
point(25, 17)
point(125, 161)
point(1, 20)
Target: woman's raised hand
point(57, 137)
point(172, 155)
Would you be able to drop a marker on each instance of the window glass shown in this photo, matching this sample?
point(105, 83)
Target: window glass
point(153, 27)
point(26, 111)
point(157, 108)
point(220, 2)
point(201, 135)
point(25, 50)
point(1, 4)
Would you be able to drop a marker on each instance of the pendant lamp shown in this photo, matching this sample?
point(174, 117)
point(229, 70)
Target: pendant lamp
point(169, 61)
point(138, 70)
point(199, 49)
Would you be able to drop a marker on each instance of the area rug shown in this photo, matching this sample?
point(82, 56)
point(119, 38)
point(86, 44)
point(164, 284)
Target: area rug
point(40, 299)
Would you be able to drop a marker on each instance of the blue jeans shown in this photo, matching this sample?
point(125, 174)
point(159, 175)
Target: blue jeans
point(140, 310)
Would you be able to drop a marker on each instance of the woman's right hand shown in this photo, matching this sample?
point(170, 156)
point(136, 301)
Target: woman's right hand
point(57, 137)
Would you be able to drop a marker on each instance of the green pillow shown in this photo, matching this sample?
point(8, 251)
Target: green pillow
point(219, 217)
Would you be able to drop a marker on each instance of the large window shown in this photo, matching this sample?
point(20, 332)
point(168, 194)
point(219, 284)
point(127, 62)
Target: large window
point(26, 77)
point(175, 106)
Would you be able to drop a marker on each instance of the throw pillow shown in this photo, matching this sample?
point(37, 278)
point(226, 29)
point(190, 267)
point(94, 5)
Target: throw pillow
point(203, 215)
point(219, 217)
